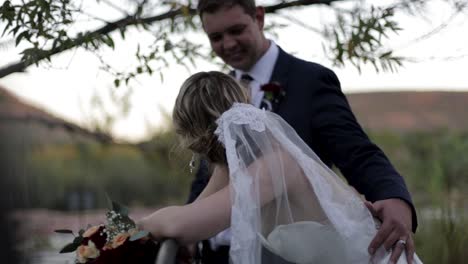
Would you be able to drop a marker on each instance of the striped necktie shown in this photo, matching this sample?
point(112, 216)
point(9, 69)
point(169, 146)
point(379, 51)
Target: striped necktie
point(245, 82)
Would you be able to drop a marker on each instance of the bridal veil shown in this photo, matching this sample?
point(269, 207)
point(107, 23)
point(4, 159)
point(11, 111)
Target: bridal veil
point(287, 206)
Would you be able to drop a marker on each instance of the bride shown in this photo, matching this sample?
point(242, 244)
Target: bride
point(282, 203)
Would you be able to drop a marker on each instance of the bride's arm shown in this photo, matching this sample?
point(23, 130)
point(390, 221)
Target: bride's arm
point(190, 223)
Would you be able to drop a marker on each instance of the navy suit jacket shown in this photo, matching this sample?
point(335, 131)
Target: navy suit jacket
point(317, 109)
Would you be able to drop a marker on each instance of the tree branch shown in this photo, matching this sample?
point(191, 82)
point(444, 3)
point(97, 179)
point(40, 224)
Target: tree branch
point(274, 8)
point(129, 21)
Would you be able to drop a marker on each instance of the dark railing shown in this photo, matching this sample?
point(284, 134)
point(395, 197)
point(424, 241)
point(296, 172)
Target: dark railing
point(167, 252)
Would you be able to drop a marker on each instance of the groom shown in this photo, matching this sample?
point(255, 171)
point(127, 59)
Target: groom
point(308, 96)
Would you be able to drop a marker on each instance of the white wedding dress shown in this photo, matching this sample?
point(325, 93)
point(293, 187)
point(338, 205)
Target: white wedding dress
point(287, 206)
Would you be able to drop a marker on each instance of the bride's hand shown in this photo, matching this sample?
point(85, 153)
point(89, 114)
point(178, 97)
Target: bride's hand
point(161, 224)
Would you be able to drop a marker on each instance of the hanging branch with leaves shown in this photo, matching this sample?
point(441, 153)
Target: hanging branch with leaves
point(43, 28)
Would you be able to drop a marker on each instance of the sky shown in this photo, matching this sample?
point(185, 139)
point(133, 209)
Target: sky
point(66, 87)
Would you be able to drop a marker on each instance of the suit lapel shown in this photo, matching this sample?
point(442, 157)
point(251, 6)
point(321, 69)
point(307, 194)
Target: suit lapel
point(280, 74)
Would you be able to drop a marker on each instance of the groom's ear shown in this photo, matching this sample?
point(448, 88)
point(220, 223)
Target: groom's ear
point(260, 17)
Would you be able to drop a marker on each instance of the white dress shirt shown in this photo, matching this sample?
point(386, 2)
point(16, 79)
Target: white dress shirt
point(261, 73)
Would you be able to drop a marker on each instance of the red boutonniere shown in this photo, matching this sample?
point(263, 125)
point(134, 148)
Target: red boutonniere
point(273, 94)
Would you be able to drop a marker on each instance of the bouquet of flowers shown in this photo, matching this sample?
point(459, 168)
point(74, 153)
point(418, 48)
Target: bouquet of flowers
point(118, 241)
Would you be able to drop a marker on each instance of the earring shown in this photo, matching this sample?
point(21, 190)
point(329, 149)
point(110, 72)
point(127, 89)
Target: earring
point(192, 163)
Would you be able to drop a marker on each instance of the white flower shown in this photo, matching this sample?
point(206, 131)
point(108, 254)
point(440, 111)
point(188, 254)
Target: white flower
point(83, 253)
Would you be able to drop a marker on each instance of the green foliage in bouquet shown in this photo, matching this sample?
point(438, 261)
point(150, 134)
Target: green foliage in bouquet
point(117, 241)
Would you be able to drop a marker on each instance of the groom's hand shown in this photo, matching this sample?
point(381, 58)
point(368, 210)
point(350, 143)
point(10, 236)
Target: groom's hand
point(395, 231)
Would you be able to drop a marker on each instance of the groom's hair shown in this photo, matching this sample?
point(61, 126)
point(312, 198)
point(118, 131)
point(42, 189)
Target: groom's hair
point(202, 99)
point(211, 6)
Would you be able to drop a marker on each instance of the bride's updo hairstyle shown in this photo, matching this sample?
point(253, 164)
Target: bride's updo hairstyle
point(202, 99)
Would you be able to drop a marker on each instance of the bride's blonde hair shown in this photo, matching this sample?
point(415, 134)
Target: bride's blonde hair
point(202, 99)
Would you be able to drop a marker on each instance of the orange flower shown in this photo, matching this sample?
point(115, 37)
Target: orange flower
point(107, 247)
point(91, 231)
point(84, 253)
point(120, 239)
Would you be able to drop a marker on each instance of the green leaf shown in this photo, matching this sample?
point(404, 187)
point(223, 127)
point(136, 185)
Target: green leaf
point(125, 219)
point(149, 70)
point(20, 36)
point(108, 41)
point(122, 32)
point(63, 231)
point(168, 46)
point(118, 208)
point(386, 54)
point(78, 240)
point(15, 30)
point(139, 235)
point(69, 248)
point(139, 10)
point(115, 206)
point(117, 82)
point(6, 27)
point(108, 199)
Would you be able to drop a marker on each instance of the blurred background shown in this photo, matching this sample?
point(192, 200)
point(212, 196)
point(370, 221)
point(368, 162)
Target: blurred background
point(87, 88)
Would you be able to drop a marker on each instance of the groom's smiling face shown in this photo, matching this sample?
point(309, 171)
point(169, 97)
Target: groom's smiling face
point(236, 37)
